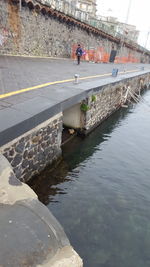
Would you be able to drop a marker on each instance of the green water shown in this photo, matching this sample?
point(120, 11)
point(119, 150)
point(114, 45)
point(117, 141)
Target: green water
point(100, 192)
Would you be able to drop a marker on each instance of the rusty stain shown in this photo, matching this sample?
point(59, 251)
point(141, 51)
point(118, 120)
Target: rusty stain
point(14, 22)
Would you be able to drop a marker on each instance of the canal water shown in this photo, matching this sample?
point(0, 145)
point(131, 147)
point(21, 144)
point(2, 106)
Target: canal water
point(100, 193)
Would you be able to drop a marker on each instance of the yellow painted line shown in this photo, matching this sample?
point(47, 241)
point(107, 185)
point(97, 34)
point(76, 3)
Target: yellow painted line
point(56, 82)
point(95, 76)
point(27, 56)
point(33, 88)
point(122, 72)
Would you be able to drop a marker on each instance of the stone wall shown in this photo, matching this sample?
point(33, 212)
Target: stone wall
point(29, 32)
point(32, 152)
point(109, 98)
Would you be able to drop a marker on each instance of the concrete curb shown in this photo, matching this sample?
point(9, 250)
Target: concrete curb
point(30, 235)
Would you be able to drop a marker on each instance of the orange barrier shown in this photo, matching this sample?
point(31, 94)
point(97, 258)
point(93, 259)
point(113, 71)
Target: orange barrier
point(99, 55)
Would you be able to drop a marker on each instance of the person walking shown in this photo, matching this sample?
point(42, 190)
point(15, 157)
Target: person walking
point(79, 53)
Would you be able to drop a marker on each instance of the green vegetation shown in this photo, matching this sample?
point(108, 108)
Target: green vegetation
point(93, 98)
point(84, 107)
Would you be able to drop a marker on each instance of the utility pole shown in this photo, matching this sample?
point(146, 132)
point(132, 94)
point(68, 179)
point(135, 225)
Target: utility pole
point(128, 11)
point(126, 22)
point(147, 39)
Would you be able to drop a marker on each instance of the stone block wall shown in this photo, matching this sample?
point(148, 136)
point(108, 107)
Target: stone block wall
point(111, 97)
point(50, 38)
point(32, 152)
point(30, 32)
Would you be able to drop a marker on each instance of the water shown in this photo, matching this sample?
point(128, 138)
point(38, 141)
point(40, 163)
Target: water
point(100, 193)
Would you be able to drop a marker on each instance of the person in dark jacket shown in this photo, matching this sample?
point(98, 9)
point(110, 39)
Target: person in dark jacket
point(79, 53)
point(112, 54)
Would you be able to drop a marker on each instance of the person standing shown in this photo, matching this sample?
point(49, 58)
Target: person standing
point(112, 54)
point(79, 53)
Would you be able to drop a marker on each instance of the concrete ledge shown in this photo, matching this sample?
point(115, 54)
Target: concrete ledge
point(29, 233)
point(11, 189)
point(66, 257)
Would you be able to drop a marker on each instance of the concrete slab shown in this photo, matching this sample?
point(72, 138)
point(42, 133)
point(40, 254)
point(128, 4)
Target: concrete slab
point(15, 99)
point(35, 105)
point(60, 93)
point(30, 235)
point(25, 237)
point(4, 104)
point(10, 117)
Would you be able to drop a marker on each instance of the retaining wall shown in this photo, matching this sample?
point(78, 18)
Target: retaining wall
point(101, 104)
point(56, 34)
point(31, 152)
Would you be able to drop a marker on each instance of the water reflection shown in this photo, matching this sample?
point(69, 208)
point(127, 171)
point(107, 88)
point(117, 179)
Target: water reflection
point(46, 185)
point(81, 149)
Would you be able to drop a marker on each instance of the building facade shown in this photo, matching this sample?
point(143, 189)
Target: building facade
point(127, 30)
point(85, 10)
point(88, 6)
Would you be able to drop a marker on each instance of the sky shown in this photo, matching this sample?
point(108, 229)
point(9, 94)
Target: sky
point(139, 15)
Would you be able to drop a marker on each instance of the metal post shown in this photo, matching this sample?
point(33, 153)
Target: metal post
point(147, 39)
point(76, 76)
point(128, 11)
point(20, 2)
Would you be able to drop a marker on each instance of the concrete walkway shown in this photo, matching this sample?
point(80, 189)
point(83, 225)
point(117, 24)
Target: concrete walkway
point(23, 72)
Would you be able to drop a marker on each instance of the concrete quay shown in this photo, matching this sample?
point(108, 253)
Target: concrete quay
point(33, 90)
point(34, 96)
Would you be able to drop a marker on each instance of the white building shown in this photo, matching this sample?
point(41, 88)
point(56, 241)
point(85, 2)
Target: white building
point(88, 6)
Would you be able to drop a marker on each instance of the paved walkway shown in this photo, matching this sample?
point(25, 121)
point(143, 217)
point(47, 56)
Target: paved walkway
point(17, 73)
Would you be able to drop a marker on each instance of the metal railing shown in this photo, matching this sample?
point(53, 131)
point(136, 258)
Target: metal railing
point(71, 10)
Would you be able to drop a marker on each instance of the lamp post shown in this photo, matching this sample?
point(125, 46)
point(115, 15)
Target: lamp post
point(126, 22)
